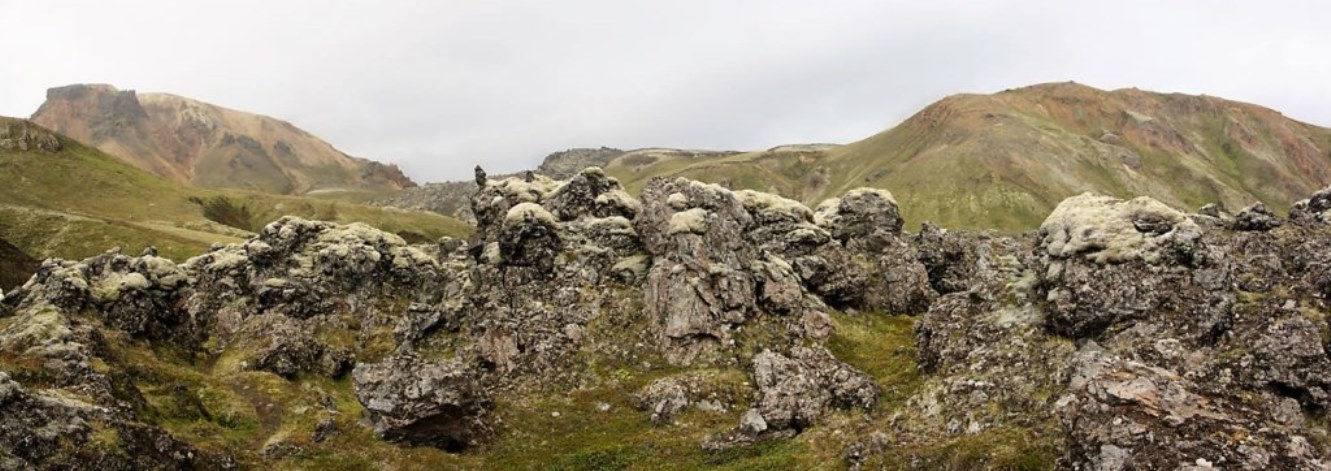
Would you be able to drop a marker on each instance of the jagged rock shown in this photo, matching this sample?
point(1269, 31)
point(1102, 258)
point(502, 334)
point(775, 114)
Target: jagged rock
point(264, 299)
point(54, 430)
point(529, 237)
point(949, 259)
point(287, 347)
point(536, 280)
point(796, 390)
point(1107, 261)
point(667, 397)
point(17, 135)
point(431, 403)
point(752, 423)
point(782, 226)
point(866, 265)
point(139, 295)
point(1107, 230)
point(860, 214)
point(1312, 210)
point(664, 398)
point(708, 277)
point(1120, 414)
point(1213, 216)
point(698, 287)
point(591, 193)
point(1256, 218)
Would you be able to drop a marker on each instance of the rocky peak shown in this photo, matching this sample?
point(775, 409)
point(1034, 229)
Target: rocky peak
point(565, 164)
point(117, 106)
point(177, 137)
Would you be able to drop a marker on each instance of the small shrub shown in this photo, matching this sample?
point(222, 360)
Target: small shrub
point(223, 210)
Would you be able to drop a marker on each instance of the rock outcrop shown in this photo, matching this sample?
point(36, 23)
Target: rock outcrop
point(1122, 335)
point(414, 401)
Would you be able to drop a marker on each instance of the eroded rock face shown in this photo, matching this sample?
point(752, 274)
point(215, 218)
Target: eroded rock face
point(705, 277)
point(267, 299)
point(1106, 261)
point(139, 295)
point(795, 390)
point(1256, 218)
point(563, 254)
point(430, 403)
point(868, 265)
point(18, 135)
point(55, 431)
point(1313, 209)
point(1121, 414)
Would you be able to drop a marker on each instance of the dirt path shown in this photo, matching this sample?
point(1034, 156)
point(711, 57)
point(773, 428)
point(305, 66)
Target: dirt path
point(268, 411)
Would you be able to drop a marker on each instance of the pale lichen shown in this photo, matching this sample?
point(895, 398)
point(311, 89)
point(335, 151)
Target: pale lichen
point(760, 203)
point(1109, 230)
point(525, 211)
point(693, 221)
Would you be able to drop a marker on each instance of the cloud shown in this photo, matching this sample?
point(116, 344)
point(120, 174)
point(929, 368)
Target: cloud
point(440, 86)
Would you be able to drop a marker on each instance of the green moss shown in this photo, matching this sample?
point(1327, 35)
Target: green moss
point(601, 459)
point(104, 437)
point(114, 204)
point(882, 346)
point(1007, 448)
point(771, 454)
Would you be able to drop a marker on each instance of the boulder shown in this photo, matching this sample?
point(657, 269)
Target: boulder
point(1121, 414)
point(414, 401)
point(1256, 218)
point(796, 390)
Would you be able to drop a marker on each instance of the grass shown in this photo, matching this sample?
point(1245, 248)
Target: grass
point(882, 346)
point(80, 201)
point(1003, 162)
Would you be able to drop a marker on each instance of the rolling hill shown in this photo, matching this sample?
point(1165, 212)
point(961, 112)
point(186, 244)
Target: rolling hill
point(1003, 161)
point(64, 199)
point(188, 141)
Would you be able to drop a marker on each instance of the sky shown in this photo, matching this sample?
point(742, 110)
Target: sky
point(440, 86)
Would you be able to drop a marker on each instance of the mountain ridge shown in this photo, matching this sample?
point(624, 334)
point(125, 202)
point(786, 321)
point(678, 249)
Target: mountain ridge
point(63, 198)
point(1002, 161)
point(190, 141)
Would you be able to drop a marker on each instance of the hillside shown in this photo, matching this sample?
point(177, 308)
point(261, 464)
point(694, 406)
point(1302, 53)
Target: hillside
point(188, 141)
point(64, 199)
point(1003, 161)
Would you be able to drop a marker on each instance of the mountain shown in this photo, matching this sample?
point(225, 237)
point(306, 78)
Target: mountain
point(1003, 161)
point(62, 198)
point(189, 141)
point(565, 164)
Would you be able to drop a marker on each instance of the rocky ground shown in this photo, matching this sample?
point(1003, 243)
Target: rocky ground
point(692, 326)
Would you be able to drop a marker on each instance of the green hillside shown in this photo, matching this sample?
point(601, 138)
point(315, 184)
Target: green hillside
point(1003, 161)
point(76, 201)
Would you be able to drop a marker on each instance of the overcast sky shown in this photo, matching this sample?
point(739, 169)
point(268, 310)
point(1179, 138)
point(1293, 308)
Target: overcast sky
point(439, 86)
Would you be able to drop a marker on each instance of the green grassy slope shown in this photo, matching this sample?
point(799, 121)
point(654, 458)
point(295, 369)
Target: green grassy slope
point(78, 202)
point(1003, 161)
